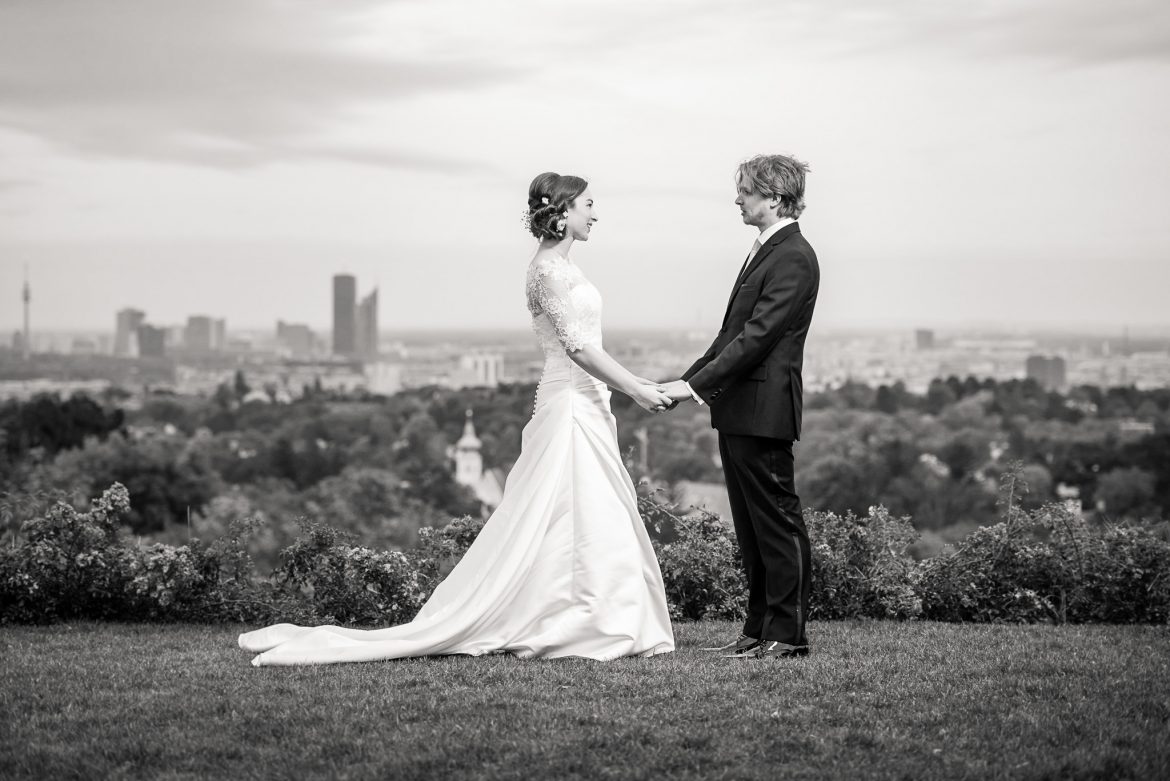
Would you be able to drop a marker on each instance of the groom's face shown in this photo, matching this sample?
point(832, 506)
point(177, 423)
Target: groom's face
point(755, 208)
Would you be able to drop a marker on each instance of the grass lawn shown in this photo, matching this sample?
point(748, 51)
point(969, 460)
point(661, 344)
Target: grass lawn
point(874, 700)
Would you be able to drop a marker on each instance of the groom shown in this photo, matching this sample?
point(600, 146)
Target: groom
point(750, 377)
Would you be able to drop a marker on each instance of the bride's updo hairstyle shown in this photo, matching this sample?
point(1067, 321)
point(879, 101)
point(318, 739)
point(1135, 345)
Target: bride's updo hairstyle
point(549, 196)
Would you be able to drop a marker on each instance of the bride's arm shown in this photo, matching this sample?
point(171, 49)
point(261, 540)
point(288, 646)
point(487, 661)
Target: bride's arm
point(606, 368)
point(553, 296)
point(603, 366)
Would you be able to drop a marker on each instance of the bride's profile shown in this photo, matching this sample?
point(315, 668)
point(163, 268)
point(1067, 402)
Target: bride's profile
point(564, 566)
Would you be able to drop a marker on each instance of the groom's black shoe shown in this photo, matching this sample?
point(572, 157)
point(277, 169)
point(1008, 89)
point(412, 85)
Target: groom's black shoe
point(741, 645)
point(773, 649)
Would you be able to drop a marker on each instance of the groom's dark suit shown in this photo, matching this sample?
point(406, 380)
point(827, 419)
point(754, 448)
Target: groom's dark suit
point(750, 377)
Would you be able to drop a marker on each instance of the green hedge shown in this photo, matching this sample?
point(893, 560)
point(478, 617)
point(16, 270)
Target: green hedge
point(1040, 565)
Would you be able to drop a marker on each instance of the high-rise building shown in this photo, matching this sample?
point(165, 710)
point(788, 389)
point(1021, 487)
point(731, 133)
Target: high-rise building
point(126, 330)
point(152, 341)
point(25, 343)
point(367, 327)
point(219, 334)
point(1049, 372)
point(344, 314)
point(174, 336)
point(479, 370)
point(197, 337)
point(295, 338)
point(924, 339)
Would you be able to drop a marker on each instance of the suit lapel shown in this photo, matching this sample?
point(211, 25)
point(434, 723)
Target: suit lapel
point(776, 240)
point(769, 246)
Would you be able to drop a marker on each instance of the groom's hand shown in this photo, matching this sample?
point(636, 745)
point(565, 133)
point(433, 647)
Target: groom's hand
point(677, 391)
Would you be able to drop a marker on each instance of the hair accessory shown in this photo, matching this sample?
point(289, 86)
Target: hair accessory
point(544, 200)
point(526, 220)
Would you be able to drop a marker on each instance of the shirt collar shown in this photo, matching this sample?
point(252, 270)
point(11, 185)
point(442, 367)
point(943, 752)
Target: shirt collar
point(772, 230)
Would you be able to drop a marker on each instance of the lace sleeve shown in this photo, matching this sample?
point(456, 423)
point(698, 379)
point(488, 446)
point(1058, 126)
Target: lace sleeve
point(551, 290)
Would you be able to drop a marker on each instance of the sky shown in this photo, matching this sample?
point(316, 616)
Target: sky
point(972, 163)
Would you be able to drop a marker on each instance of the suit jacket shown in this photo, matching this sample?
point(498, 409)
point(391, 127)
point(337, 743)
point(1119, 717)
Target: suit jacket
point(750, 375)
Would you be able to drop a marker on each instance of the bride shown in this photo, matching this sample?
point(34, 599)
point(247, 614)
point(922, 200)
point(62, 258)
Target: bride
point(564, 566)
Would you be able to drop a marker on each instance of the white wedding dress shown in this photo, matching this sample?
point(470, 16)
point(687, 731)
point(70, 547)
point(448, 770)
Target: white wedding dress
point(564, 566)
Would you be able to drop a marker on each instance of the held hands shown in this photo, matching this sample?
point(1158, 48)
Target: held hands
point(677, 391)
point(674, 392)
point(649, 396)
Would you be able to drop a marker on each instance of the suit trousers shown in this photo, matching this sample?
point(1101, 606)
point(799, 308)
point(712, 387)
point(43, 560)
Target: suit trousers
point(771, 533)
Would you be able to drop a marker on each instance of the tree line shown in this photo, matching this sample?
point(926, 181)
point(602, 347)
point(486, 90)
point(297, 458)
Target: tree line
point(380, 468)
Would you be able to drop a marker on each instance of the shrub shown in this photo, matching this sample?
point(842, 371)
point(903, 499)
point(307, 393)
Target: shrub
point(860, 565)
point(170, 581)
point(1044, 564)
point(69, 565)
point(1113, 573)
point(1049, 564)
point(860, 568)
point(201, 582)
point(992, 576)
point(75, 565)
point(702, 568)
point(440, 549)
point(348, 584)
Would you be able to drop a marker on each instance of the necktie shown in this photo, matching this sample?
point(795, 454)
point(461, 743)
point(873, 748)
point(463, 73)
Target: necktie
point(752, 254)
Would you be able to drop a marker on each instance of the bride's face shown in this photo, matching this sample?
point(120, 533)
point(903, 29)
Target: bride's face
point(580, 216)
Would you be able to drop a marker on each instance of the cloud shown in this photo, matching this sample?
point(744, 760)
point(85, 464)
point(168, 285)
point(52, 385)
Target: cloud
point(240, 83)
point(222, 83)
point(1066, 31)
point(1082, 32)
point(14, 184)
point(1069, 32)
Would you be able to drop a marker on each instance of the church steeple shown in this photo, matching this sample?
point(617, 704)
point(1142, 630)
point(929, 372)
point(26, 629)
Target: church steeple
point(468, 460)
point(469, 441)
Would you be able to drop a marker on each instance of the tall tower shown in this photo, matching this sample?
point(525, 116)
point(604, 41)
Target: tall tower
point(26, 342)
point(197, 336)
point(150, 341)
point(126, 330)
point(468, 460)
point(344, 314)
point(366, 343)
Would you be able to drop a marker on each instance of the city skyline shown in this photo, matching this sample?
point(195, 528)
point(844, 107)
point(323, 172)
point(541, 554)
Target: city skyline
point(1119, 330)
point(971, 166)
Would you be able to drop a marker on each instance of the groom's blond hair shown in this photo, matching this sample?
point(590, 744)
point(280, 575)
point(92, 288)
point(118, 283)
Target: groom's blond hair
point(776, 176)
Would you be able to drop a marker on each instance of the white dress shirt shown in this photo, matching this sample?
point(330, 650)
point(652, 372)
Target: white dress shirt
point(760, 241)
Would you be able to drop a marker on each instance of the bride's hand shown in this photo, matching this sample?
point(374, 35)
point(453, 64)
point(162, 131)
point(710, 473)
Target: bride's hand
point(650, 398)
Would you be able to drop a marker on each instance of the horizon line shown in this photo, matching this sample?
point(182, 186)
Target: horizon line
point(1096, 328)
